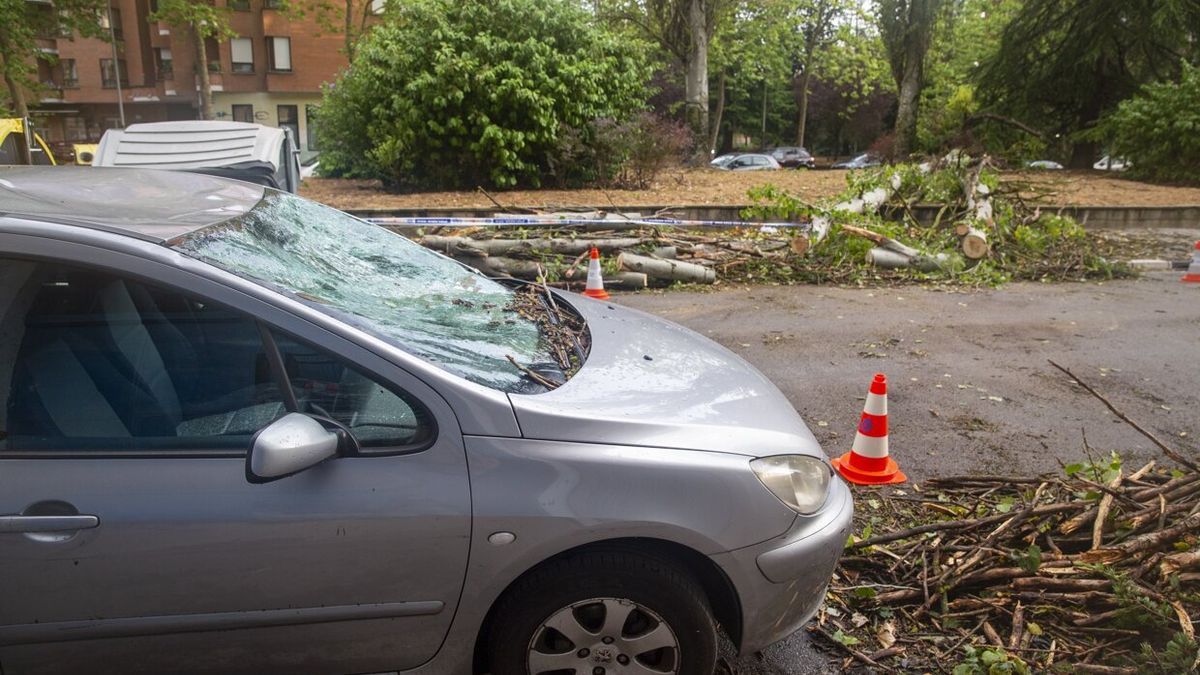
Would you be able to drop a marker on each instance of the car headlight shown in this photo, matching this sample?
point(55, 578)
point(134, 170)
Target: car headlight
point(799, 481)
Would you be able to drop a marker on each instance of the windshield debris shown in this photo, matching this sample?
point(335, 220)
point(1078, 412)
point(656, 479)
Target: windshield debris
point(380, 282)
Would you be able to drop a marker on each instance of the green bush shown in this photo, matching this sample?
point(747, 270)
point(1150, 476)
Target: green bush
point(449, 94)
point(1158, 130)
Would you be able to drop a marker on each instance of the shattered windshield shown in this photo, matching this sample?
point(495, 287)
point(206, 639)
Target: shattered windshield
point(381, 282)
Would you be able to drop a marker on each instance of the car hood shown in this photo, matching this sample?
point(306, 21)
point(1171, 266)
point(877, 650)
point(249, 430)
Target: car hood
point(650, 382)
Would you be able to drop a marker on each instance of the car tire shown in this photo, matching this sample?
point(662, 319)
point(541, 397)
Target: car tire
point(584, 596)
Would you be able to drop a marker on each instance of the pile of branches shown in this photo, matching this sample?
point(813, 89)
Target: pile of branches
point(980, 231)
point(1094, 571)
point(634, 256)
point(563, 332)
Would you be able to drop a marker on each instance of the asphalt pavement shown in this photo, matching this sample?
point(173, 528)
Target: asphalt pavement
point(970, 387)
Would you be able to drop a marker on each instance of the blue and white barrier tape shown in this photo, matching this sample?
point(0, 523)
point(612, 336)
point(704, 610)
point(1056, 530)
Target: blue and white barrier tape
point(559, 221)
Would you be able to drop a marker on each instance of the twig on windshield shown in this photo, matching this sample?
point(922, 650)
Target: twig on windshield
point(546, 290)
point(532, 375)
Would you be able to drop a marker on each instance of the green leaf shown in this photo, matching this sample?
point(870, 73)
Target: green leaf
point(848, 640)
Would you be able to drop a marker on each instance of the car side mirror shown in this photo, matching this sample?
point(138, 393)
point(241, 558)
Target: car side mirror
point(287, 446)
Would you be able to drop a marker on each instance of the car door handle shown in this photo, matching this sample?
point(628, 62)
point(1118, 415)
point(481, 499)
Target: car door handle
point(26, 524)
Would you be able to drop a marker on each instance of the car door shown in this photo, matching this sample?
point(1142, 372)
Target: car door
point(130, 537)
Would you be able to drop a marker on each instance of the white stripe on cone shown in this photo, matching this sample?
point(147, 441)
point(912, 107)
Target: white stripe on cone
point(594, 281)
point(876, 404)
point(875, 447)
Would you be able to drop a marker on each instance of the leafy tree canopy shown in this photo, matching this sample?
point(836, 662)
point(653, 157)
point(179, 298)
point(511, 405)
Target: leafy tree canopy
point(1158, 130)
point(23, 22)
point(459, 94)
point(1062, 64)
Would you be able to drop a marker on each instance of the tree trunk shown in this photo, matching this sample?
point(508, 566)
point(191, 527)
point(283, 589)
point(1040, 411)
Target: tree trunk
point(714, 133)
point(802, 117)
point(206, 106)
point(16, 94)
point(764, 116)
point(910, 100)
point(696, 83)
point(346, 34)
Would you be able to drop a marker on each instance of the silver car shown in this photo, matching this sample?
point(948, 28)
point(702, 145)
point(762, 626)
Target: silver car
point(243, 432)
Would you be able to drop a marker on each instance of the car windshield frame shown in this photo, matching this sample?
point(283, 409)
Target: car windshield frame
point(378, 281)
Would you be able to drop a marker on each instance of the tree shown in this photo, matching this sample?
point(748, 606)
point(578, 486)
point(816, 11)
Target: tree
point(23, 22)
point(816, 24)
point(1158, 130)
point(459, 94)
point(967, 36)
point(684, 29)
point(906, 27)
point(1063, 64)
point(203, 21)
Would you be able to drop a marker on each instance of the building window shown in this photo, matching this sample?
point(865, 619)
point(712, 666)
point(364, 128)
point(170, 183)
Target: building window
point(243, 55)
point(108, 74)
point(240, 5)
point(70, 73)
point(272, 4)
point(166, 64)
point(243, 112)
point(117, 31)
point(378, 6)
point(310, 125)
point(289, 118)
point(281, 54)
point(75, 128)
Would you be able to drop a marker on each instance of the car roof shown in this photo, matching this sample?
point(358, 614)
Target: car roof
point(147, 204)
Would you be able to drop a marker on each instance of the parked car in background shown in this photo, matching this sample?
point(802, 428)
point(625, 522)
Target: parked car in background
point(309, 167)
point(1109, 163)
point(720, 161)
point(245, 432)
point(790, 157)
point(751, 162)
point(1044, 164)
point(863, 161)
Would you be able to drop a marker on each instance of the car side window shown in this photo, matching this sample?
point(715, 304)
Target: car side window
point(92, 361)
point(381, 417)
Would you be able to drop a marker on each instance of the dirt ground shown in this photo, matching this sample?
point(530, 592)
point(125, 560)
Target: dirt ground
point(970, 389)
point(711, 187)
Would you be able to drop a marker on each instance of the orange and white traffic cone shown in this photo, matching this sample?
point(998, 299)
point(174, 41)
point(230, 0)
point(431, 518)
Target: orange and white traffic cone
point(1193, 273)
point(868, 462)
point(595, 282)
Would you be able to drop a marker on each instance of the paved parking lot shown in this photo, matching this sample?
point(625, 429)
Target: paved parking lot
point(970, 387)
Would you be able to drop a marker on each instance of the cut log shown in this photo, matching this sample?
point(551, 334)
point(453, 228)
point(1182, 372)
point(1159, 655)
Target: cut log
point(975, 244)
point(673, 270)
point(890, 259)
point(669, 252)
point(800, 244)
point(627, 280)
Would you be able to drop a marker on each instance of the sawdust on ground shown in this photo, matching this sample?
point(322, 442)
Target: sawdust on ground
point(687, 187)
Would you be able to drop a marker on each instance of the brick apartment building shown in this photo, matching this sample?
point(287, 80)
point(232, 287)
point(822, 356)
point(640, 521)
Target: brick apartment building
point(271, 73)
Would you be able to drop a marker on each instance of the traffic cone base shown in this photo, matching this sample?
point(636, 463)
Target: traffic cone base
point(868, 462)
point(888, 474)
point(1193, 273)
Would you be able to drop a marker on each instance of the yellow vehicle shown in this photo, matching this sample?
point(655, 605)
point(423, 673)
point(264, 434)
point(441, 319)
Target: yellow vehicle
point(12, 137)
point(84, 153)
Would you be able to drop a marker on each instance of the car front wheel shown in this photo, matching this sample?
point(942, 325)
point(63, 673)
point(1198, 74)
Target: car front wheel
point(604, 614)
